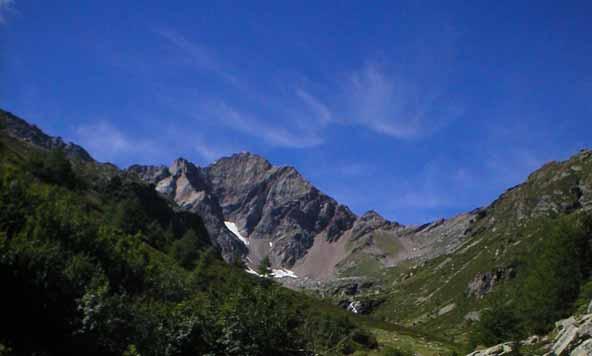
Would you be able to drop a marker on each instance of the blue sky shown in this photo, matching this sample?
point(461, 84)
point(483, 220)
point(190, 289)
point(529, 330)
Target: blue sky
point(416, 109)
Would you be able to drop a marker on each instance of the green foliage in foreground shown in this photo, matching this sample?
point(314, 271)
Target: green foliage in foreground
point(264, 267)
point(113, 270)
point(557, 273)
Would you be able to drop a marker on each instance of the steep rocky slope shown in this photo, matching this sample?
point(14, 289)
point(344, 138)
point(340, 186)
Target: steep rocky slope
point(187, 185)
point(280, 212)
point(275, 211)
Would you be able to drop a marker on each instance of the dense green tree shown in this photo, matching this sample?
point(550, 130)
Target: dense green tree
point(549, 285)
point(556, 269)
point(54, 167)
point(497, 324)
point(264, 267)
point(186, 249)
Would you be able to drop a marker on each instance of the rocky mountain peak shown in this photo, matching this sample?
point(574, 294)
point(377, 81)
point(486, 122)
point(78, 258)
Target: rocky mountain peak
point(275, 204)
point(150, 174)
point(181, 166)
point(369, 222)
point(241, 168)
point(277, 212)
point(372, 215)
point(246, 160)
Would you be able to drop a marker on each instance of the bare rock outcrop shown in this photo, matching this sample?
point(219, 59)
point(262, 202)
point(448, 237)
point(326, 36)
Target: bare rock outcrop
point(484, 282)
point(266, 203)
point(497, 350)
point(370, 221)
point(187, 185)
point(572, 336)
point(276, 204)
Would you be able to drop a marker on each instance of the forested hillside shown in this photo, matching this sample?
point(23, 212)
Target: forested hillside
point(94, 262)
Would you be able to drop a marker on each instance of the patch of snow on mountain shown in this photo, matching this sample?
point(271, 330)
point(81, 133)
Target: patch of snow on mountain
point(232, 227)
point(251, 271)
point(281, 273)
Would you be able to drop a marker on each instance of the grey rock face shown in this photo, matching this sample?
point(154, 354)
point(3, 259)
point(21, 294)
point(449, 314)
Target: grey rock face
point(282, 214)
point(276, 203)
point(359, 306)
point(269, 203)
point(531, 340)
point(187, 185)
point(573, 336)
point(501, 349)
point(150, 174)
point(484, 282)
point(437, 238)
point(369, 222)
point(567, 338)
point(584, 349)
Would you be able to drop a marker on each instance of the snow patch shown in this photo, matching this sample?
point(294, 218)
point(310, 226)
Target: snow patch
point(353, 307)
point(281, 273)
point(251, 271)
point(275, 273)
point(232, 227)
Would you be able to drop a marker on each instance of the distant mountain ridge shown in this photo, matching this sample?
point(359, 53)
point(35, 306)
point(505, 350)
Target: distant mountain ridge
point(280, 213)
point(284, 217)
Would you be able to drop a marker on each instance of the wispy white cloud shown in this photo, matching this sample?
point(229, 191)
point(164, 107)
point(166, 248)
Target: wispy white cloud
point(208, 152)
point(249, 124)
point(107, 143)
point(373, 96)
point(104, 137)
point(317, 108)
point(6, 8)
point(393, 106)
point(212, 151)
point(294, 120)
point(200, 56)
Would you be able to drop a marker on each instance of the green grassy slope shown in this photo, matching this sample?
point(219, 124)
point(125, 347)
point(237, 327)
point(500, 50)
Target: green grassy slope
point(433, 296)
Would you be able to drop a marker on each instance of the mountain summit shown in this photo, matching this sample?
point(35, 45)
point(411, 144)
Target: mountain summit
point(279, 213)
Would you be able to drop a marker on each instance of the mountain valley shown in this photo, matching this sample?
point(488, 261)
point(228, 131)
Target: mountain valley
point(434, 282)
